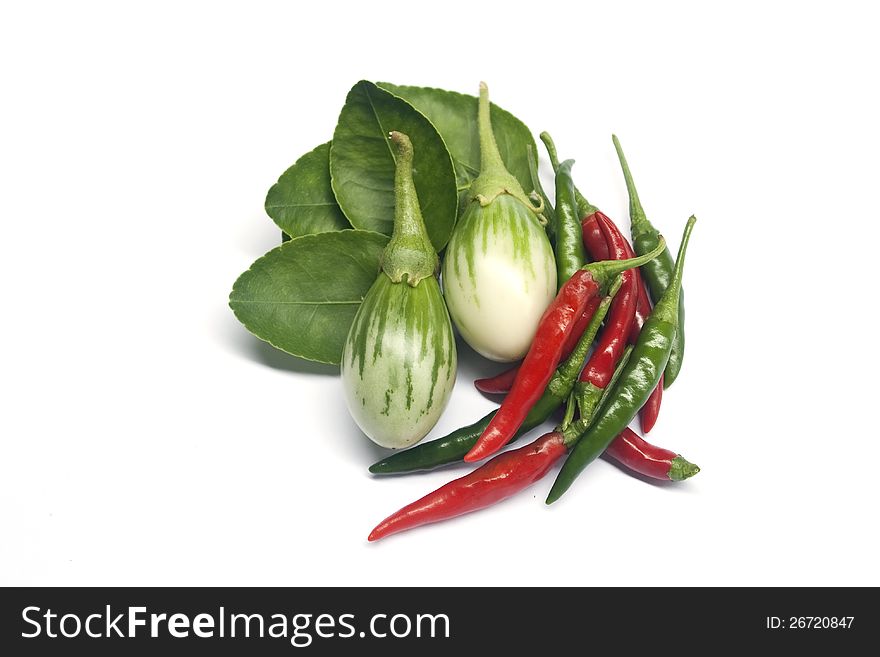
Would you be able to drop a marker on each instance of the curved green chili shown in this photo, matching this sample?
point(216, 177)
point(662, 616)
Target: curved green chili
point(588, 409)
point(585, 208)
point(641, 374)
point(657, 273)
point(452, 447)
point(570, 255)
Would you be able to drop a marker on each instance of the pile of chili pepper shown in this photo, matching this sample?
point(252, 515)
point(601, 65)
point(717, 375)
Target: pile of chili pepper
point(604, 350)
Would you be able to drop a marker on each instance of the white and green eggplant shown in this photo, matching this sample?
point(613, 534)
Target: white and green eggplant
point(499, 273)
point(399, 360)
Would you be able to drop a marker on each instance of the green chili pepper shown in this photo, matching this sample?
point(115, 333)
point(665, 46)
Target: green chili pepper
point(641, 374)
point(569, 249)
point(452, 447)
point(589, 408)
point(585, 208)
point(658, 272)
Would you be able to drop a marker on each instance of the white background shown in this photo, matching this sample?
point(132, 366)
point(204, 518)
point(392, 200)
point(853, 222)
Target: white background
point(148, 439)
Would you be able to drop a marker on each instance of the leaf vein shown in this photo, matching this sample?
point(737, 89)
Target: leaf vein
point(379, 123)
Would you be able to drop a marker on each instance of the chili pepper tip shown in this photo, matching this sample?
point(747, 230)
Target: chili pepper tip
point(499, 384)
point(647, 419)
point(682, 469)
point(490, 442)
point(475, 455)
point(381, 530)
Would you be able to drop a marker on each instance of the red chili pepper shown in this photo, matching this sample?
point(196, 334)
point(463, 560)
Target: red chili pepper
point(514, 470)
point(643, 304)
point(594, 238)
point(498, 384)
point(637, 454)
point(537, 367)
point(598, 247)
point(495, 480)
point(621, 315)
point(556, 324)
point(501, 383)
point(649, 412)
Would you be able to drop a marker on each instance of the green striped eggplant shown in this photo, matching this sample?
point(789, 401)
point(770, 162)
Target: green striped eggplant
point(399, 360)
point(499, 272)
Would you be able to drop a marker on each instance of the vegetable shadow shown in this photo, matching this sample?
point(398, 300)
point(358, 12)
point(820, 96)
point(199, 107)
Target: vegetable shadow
point(266, 354)
point(254, 349)
point(472, 365)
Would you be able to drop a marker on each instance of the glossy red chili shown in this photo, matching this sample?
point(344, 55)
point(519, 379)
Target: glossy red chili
point(643, 303)
point(597, 249)
point(498, 384)
point(594, 238)
point(624, 319)
point(634, 452)
point(597, 246)
point(537, 367)
point(554, 328)
point(621, 315)
point(651, 410)
point(501, 383)
point(497, 479)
